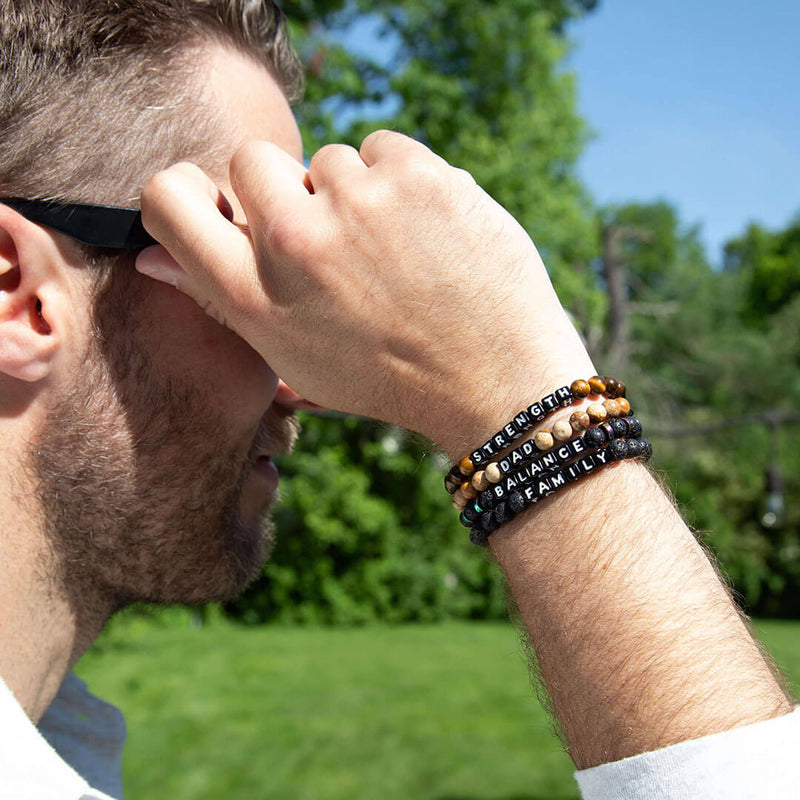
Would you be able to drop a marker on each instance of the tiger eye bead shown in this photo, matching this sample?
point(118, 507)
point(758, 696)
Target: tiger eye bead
point(613, 388)
point(468, 491)
point(480, 481)
point(612, 408)
point(597, 412)
point(456, 476)
point(466, 466)
point(459, 501)
point(597, 385)
point(450, 484)
point(562, 431)
point(624, 405)
point(580, 421)
point(493, 474)
point(544, 440)
point(580, 389)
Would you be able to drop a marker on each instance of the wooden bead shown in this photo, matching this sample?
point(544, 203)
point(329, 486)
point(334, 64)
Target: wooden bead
point(562, 431)
point(459, 501)
point(580, 389)
point(596, 412)
point(613, 409)
point(597, 385)
point(480, 481)
point(493, 474)
point(544, 440)
point(466, 466)
point(468, 491)
point(580, 421)
point(625, 406)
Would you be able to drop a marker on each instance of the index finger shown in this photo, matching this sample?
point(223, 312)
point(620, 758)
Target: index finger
point(187, 213)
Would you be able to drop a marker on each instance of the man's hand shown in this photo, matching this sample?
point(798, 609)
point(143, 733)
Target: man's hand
point(386, 283)
point(382, 282)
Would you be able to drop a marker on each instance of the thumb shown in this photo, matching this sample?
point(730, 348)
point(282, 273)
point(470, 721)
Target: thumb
point(155, 262)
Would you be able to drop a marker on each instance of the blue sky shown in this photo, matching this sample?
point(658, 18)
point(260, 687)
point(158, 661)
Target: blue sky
point(695, 101)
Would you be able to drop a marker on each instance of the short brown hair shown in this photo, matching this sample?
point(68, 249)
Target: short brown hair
point(96, 95)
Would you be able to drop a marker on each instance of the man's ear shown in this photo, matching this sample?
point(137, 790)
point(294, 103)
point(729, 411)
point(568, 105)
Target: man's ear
point(33, 298)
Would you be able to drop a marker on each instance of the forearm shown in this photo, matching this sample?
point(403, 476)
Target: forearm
point(637, 641)
point(385, 283)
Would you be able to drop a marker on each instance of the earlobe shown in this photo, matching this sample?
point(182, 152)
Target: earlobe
point(27, 341)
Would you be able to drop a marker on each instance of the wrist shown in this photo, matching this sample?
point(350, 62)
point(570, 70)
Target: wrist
point(467, 428)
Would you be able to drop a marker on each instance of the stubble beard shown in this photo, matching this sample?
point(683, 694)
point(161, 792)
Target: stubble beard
point(140, 490)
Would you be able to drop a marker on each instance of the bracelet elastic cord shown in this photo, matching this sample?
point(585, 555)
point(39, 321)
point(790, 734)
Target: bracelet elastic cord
point(485, 522)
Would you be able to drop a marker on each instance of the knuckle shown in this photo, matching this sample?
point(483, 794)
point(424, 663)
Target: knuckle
point(288, 235)
point(374, 199)
point(464, 177)
point(328, 154)
point(422, 173)
point(168, 183)
point(381, 140)
point(247, 154)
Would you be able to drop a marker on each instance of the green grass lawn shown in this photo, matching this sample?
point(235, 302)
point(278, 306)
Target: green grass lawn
point(418, 712)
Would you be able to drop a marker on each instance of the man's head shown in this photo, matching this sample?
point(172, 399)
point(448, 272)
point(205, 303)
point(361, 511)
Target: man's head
point(134, 426)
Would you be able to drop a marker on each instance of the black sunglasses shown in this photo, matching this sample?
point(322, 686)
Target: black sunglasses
point(99, 226)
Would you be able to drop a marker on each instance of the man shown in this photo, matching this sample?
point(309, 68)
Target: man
point(136, 431)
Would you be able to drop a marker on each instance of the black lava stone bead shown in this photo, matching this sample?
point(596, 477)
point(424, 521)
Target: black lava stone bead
point(620, 428)
point(594, 437)
point(486, 499)
point(634, 427)
point(635, 449)
point(617, 450)
point(479, 537)
point(516, 503)
point(488, 522)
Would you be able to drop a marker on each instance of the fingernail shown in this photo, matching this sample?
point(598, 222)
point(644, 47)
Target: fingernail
point(156, 263)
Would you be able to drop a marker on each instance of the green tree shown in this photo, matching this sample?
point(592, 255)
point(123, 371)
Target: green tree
point(708, 351)
point(772, 262)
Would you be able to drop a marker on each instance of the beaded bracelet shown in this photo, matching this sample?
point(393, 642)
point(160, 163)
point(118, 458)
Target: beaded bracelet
point(527, 418)
point(542, 463)
point(543, 441)
point(485, 522)
point(531, 469)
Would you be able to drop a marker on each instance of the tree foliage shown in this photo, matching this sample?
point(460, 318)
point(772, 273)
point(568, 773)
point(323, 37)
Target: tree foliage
point(364, 530)
point(708, 354)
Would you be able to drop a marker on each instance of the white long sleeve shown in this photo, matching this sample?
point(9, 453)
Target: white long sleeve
point(755, 762)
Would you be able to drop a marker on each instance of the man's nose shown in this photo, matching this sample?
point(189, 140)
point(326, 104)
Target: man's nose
point(291, 401)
